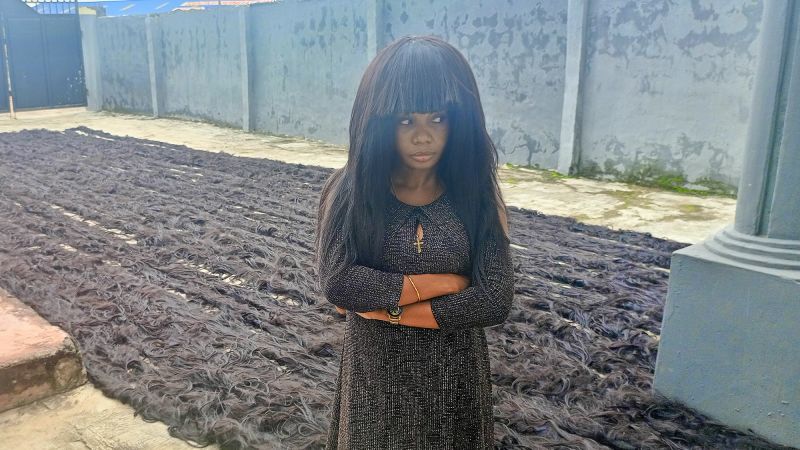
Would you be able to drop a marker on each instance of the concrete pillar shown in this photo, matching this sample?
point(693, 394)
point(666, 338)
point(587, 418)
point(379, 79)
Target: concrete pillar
point(730, 339)
point(246, 67)
point(91, 62)
point(153, 32)
point(769, 197)
point(569, 145)
point(375, 27)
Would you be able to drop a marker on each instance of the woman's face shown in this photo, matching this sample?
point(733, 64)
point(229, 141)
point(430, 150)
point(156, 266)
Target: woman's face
point(421, 138)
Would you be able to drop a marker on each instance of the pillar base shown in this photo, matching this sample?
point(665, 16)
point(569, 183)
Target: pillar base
point(730, 338)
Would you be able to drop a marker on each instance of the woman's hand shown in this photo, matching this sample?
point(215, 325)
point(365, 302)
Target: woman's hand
point(378, 314)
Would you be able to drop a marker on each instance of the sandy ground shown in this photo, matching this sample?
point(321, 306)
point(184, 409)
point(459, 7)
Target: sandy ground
point(85, 419)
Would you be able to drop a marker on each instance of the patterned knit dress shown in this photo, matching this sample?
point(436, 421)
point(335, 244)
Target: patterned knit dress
point(402, 387)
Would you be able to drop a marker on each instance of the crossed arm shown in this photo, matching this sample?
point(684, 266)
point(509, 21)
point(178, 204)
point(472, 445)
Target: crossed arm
point(448, 301)
point(418, 312)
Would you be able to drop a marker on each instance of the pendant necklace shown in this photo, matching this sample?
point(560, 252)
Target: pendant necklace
point(418, 242)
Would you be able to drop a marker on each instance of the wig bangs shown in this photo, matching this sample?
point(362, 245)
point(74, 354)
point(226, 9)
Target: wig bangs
point(421, 77)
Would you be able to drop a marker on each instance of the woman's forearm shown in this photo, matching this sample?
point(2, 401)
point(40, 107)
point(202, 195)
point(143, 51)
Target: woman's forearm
point(419, 315)
point(429, 285)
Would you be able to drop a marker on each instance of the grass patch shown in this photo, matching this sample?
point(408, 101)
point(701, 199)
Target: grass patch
point(544, 174)
point(647, 175)
point(690, 209)
point(651, 175)
point(510, 180)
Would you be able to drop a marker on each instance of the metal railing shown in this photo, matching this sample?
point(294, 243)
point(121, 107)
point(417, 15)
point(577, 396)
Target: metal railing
point(54, 6)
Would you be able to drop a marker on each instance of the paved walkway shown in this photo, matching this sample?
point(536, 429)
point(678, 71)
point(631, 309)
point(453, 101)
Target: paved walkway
point(81, 419)
point(84, 418)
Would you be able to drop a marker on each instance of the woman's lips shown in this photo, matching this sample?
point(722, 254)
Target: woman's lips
point(423, 157)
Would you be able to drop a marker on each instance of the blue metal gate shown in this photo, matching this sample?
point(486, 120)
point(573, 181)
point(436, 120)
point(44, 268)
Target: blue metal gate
point(42, 56)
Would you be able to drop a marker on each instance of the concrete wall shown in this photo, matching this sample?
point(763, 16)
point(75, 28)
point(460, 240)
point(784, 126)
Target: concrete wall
point(668, 86)
point(655, 87)
point(307, 61)
point(200, 57)
point(517, 52)
point(122, 64)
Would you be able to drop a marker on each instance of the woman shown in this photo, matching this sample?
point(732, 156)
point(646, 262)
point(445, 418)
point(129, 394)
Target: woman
point(412, 244)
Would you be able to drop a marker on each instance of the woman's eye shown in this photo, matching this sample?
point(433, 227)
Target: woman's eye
point(437, 119)
point(405, 121)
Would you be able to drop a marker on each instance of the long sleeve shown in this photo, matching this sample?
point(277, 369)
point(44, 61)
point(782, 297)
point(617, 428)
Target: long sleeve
point(485, 302)
point(358, 288)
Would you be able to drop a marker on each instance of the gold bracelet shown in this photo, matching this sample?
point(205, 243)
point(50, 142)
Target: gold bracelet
point(415, 288)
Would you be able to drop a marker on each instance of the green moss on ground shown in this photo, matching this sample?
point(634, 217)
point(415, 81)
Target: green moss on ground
point(543, 175)
point(651, 175)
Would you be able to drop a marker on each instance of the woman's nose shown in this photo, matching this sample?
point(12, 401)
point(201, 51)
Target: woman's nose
point(422, 136)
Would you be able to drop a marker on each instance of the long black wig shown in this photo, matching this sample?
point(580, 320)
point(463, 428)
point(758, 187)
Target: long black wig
point(414, 74)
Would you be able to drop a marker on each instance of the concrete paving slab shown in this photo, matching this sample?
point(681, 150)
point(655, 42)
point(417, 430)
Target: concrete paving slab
point(81, 419)
point(36, 359)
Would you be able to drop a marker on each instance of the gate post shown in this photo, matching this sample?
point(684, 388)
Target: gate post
point(7, 72)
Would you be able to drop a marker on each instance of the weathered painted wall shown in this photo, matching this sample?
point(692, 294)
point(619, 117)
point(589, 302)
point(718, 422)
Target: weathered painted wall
point(200, 65)
point(308, 58)
point(668, 86)
point(122, 55)
point(516, 50)
point(664, 86)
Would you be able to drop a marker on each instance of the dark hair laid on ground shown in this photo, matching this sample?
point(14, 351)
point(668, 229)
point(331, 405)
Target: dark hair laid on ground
point(185, 278)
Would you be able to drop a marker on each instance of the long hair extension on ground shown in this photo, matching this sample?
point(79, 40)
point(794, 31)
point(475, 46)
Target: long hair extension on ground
point(186, 279)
